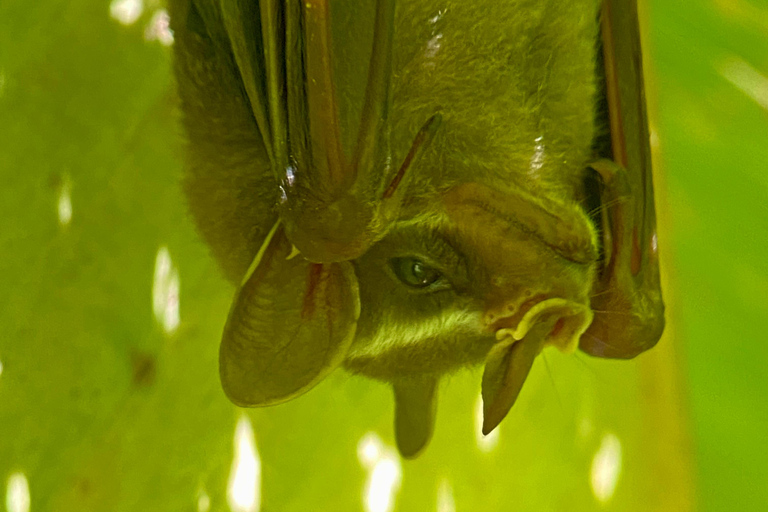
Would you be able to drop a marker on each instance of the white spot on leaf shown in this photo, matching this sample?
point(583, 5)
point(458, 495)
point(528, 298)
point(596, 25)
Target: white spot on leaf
point(747, 79)
point(485, 443)
point(383, 484)
point(585, 427)
point(654, 138)
point(203, 501)
point(369, 450)
point(126, 11)
point(445, 501)
point(244, 487)
point(384, 473)
point(606, 468)
point(159, 28)
point(17, 493)
point(165, 291)
point(65, 204)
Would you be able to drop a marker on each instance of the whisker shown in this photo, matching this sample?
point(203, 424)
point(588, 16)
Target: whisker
point(604, 292)
point(608, 312)
point(608, 204)
point(552, 380)
point(605, 343)
point(581, 358)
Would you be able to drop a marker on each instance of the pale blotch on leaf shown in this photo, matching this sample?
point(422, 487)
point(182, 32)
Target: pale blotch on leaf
point(606, 468)
point(653, 136)
point(746, 78)
point(445, 500)
point(383, 484)
point(165, 291)
point(1, 367)
point(484, 443)
point(244, 486)
point(384, 473)
point(585, 428)
point(64, 206)
point(203, 501)
point(369, 450)
point(17, 493)
point(159, 28)
point(126, 11)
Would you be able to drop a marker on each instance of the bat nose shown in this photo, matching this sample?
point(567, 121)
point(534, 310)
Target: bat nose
point(569, 320)
point(552, 321)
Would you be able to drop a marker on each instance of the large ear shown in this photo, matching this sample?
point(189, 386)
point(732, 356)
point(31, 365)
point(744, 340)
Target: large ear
point(290, 325)
point(415, 408)
point(629, 311)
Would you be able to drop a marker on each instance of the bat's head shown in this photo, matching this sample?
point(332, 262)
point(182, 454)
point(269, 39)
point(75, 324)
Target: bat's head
point(489, 276)
point(474, 274)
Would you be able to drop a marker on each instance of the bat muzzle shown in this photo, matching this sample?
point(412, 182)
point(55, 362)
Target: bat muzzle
point(569, 321)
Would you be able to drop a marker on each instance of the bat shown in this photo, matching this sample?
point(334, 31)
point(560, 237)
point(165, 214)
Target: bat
point(405, 188)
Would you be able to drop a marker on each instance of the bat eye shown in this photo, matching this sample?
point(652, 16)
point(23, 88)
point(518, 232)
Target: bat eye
point(415, 273)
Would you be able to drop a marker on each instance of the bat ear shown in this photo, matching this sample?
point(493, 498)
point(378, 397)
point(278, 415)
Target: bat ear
point(415, 408)
point(290, 325)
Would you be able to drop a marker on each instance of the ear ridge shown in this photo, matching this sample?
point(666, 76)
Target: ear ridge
point(415, 410)
point(290, 325)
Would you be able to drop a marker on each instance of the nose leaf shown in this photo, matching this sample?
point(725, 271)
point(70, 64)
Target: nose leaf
point(506, 369)
point(553, 321)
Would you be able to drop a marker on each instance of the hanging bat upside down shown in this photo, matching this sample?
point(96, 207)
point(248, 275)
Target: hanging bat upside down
point(404, 188)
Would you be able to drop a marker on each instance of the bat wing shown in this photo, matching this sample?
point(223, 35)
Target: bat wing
point(330, 202)
point(228, 179)
point(629, 311)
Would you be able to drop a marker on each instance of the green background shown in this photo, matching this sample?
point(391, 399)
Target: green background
point(712, 118)
point(101, 409)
